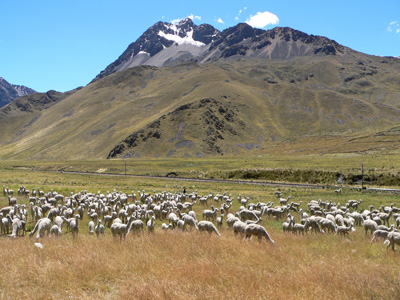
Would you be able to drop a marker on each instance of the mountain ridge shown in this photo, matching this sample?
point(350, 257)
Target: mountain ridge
point(204, 43)
point(239, 91)
point(9, 92)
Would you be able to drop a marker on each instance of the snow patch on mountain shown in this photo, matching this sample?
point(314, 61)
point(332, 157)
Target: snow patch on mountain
point(188, 39)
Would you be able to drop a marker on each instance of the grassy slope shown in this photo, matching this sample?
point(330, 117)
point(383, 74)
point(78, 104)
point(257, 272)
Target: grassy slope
point(318, 98)
point(177, 266)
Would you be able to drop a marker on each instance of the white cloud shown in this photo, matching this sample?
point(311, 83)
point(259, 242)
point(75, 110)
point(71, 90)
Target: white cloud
point(191, 16)
point(239, 13)
point(393, 26)
point(175, 21)
point(220, 21)
point(194, 17)
point(262, 19)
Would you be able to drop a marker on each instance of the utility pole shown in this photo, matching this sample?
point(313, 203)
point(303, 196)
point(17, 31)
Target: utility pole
point(362, 175)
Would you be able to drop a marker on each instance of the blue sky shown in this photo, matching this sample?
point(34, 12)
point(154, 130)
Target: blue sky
point(63, 44)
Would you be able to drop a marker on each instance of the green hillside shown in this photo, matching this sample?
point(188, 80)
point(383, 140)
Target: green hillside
point(228, 107)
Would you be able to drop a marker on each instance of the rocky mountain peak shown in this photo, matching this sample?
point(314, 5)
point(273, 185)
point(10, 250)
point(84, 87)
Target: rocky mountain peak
point(9, 92)
point(167, 44)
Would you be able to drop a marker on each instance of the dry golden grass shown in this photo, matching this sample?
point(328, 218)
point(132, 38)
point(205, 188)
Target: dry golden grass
point(174, 265)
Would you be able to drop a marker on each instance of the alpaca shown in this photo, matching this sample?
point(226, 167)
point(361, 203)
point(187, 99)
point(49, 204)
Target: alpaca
point(258, 230)
point(42, 226)
point(151, 224)
point(208, 226)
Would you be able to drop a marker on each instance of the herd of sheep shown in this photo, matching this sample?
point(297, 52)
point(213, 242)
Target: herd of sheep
point(124, 213)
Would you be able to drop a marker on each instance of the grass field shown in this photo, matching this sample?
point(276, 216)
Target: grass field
point(176, 265)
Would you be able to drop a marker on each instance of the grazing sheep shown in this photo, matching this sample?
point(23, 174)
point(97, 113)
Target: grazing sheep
point(208, 226)
point(258, 230)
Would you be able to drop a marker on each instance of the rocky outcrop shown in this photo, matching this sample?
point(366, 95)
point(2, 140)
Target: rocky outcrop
point(9, 92)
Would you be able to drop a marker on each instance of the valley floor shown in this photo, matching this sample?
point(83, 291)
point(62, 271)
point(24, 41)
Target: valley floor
point(181, 265)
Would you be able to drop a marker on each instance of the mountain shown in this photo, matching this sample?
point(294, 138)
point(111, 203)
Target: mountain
point(9, 92)
point(164, 44)
point(201, 92)
point(167, 44)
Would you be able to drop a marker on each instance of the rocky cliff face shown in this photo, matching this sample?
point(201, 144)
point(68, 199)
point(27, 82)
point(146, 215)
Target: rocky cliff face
point(9, 92)
point(168, 44)
point(184, 37)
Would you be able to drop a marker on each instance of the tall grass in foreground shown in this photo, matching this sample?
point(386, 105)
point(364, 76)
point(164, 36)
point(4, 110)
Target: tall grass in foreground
point(175, 265)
